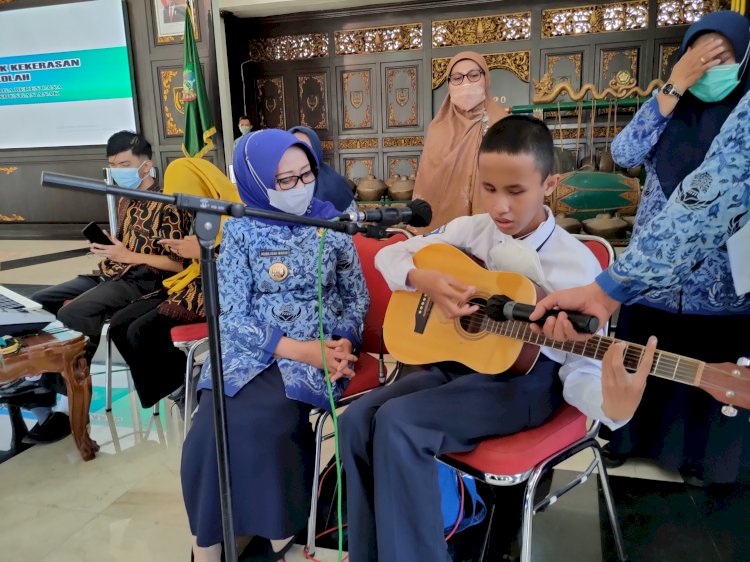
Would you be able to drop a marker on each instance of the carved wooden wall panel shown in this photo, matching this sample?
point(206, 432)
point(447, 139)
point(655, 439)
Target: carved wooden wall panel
point(312, 100)
point(667, 55)
point(271, 102)
point(356, 167)
point(172, 110)
point(356, 87)
point(402, 95)
point(615, 62)
point(402, 164)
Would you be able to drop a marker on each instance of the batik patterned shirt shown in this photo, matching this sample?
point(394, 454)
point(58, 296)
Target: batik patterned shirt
point(677, 258)
point(258, 306)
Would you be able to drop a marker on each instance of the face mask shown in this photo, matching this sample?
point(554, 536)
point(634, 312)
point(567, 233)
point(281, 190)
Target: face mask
point(517, 256)
point(468, 95)
point(126, 177)
point(244, 129)
point(716, 83)
point(294, 201)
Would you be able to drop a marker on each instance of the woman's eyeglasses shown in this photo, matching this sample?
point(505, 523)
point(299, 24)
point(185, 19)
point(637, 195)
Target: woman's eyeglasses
point(289, 182)
point(473, 75)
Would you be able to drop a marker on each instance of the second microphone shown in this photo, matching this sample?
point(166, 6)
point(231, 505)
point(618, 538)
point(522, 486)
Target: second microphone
point(415, 213)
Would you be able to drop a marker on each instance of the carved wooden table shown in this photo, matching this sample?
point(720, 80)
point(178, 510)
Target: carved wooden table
point(58, 350)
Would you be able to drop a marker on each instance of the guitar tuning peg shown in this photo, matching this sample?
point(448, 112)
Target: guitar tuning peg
point(729, 411)
point(743, 362)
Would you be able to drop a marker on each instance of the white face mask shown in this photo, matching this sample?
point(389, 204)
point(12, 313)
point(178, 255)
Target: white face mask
point(517, 256)
point(294, 201)
point(244, 129)
point(468, 95)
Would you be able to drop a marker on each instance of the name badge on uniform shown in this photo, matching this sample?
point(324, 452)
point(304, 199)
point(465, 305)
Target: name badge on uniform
point(278, 272)
point(738, 248)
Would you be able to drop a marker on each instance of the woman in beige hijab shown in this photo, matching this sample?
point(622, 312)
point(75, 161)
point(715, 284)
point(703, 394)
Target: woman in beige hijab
point(447, 174)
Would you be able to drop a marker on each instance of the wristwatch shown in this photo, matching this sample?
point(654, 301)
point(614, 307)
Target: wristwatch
point(670, 90)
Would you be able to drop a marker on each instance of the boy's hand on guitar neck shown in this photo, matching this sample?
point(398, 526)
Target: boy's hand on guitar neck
point(621, 390)
point(447, 292)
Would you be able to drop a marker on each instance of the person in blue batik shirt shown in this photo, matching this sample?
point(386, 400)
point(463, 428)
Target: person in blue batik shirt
point(675, 275)
point(272, 358)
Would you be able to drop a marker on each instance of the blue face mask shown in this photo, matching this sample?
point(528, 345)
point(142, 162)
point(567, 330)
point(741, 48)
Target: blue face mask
point(128, 178)
point(294, 201)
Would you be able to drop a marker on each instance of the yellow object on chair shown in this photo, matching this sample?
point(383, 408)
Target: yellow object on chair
point(195, 176)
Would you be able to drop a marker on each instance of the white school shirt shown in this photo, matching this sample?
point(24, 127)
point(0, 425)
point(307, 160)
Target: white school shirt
point(566, 263)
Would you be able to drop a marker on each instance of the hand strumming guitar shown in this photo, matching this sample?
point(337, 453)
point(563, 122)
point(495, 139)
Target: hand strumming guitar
point(447, 292)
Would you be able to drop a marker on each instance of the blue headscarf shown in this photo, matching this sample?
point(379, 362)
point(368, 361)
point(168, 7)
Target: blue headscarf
point(694, 123)
point(256, 160)
point(330, 185)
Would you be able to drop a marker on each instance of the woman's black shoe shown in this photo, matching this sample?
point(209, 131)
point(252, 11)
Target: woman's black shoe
point(612, 461)
point(54, 428)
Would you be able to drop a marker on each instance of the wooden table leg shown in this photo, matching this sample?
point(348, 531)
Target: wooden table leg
point(78, 383)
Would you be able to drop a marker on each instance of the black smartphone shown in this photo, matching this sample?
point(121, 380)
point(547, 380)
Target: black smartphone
point(95, 234)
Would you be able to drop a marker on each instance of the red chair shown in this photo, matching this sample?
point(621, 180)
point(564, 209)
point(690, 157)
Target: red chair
point(527, 456)
point(370, 372)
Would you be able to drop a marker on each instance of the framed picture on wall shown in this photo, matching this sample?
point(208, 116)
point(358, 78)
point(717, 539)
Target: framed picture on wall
point(169, 20)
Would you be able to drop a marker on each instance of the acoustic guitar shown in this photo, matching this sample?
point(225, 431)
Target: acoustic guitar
point(416, 332)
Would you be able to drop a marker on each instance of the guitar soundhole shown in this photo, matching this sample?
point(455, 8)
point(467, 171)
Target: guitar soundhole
point(474, 323)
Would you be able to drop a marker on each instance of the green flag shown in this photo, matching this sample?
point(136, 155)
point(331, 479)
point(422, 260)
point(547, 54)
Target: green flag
point(199, 127)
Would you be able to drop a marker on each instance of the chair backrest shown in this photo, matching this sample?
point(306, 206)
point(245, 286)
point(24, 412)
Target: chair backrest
point(380, 294)
point(600, 247)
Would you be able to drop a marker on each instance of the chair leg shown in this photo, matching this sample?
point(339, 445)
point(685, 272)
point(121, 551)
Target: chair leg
point(108, 370)
point(156, 409)
point(609, 500)
point(528, 513)
point(310, 547)
point(189, 389)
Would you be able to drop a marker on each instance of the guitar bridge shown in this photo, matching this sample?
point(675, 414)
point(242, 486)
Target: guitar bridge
point(422, 314)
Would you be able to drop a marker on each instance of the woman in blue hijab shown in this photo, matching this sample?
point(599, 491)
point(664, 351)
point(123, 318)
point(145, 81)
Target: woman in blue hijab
point(273, 377)
point(680, 427)
point(331, 186)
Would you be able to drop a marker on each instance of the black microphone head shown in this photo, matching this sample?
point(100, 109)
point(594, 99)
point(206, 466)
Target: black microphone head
point(421, 212)
point(494, 307)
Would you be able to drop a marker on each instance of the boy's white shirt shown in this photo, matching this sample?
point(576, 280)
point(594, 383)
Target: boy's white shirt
point(565, 263)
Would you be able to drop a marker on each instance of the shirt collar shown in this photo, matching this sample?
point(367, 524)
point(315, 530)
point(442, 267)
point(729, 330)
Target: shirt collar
point(537, 238)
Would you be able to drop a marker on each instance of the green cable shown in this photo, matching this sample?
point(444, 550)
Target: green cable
point(330, 394)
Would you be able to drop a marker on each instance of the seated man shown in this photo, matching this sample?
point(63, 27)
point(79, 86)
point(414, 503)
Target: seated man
point(390, 437)
point(134, 265)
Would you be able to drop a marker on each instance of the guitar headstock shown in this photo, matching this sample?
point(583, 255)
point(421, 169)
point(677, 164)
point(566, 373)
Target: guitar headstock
point(729, 383)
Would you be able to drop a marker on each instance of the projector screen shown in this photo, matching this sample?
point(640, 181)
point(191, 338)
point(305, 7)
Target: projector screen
point(65, 77)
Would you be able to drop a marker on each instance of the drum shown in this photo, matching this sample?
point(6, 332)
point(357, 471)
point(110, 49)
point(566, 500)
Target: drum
point(584, 194)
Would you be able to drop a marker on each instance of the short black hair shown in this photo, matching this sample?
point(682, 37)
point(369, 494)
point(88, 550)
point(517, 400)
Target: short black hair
point(128, 140)
point(522, 134)
point(244, 117)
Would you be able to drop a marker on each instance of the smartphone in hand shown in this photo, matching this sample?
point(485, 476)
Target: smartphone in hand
point(95, 234)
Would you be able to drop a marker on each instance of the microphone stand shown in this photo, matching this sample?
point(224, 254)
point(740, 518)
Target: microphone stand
point(207, 222)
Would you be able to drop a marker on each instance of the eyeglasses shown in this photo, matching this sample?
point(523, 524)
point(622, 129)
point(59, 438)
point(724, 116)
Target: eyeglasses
point(289, 182)
point(473, 75)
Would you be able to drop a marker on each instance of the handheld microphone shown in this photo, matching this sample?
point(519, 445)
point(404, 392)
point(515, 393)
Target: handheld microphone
point(415, 213)
point(501, 307)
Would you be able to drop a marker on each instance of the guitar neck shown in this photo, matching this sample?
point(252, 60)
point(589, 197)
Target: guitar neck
point(666, 365)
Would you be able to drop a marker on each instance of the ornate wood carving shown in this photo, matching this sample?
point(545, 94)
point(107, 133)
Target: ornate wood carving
point(312, 101)
point(481, 30)
point(289, 47)
point(357, 99)
point(395, 142)
point(356, 168)
point(384, 39)
point(685, 12)
point(354, 144)
point(608, 55)
point(402, 165)
point(8, 170)
point(402, 95)
point(667, 51)
point(327, 145)
point(621, 86)
point(271, 102)
point(516, 62)
point(173, 118)
point(595, 18)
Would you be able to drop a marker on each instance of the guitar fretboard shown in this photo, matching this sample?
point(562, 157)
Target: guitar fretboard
point(666, 365)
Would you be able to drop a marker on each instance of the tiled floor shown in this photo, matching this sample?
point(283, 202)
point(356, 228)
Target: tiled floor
point(127, 504)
